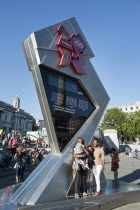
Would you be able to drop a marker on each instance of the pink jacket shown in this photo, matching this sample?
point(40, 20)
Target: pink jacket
point(14, 143)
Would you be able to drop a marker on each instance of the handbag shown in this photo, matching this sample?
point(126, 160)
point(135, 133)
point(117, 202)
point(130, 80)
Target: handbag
point(15, 166)
point(75, 165)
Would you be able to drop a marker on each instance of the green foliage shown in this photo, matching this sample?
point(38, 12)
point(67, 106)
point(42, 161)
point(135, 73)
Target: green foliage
point(127, 124)
point(35, 127)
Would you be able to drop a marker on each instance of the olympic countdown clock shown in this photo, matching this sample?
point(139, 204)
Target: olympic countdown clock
point(72, 99)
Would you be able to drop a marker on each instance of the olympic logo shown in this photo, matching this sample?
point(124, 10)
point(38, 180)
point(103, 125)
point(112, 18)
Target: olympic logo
point(78, 43)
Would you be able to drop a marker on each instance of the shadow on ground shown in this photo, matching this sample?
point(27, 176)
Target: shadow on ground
point(135, 175)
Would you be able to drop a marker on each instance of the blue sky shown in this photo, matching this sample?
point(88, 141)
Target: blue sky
point(112, 28)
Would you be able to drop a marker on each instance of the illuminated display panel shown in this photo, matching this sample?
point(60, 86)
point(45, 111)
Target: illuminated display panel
point(68, 103)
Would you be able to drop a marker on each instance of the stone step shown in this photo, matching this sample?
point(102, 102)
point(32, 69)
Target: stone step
point(81, 203)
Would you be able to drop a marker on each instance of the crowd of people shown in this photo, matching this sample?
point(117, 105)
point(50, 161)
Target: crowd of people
point(88, 164)
point(34, 157)
point(14, 150)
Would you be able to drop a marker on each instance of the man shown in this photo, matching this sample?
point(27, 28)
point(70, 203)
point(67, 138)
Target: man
point(24, 141)
point(137, 153)
point(7, 158)
point(127, 152)
point(33, 154)
point(2, 164)
point(28, 141)
point(11, 133)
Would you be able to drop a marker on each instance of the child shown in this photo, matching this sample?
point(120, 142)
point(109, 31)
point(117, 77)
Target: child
point(89, 174)
point(79, 149)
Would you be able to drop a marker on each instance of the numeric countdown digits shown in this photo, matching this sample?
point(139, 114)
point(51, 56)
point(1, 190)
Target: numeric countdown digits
point(83, 105)
point(74, 87)
point(60, 98)
point(57, 97)
point(70, 101)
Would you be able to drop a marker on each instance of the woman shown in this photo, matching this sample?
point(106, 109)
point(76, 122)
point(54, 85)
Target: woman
point(19, 166)
point(114, 164)
point(80, 179)
point(98, 165)
point(89, 173)
point(14, 144)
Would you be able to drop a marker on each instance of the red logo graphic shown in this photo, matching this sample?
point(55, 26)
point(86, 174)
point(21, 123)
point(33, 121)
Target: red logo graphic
point(72, 49)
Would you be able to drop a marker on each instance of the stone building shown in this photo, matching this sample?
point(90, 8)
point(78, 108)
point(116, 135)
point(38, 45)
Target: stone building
point(12, 117)
point(130, 107)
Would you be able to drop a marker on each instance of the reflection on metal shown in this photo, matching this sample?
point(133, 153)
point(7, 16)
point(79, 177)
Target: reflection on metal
point(114, 195)
point(50, 181)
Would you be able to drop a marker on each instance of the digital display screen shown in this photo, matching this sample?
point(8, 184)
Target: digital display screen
point(69, 105)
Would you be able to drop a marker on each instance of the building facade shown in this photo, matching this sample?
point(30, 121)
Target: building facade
point(130, 107)
point(12, 117)
point(40, 124)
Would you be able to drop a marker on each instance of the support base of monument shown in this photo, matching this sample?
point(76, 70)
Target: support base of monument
point(114, 194)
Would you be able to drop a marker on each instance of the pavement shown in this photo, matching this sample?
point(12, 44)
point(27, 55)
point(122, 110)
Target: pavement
point(129, 171)
point(133, 206)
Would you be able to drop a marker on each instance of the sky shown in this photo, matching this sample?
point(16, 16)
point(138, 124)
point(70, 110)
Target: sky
point(112, 28)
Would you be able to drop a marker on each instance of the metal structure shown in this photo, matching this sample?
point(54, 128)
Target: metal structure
point(62, 52)
point(114, 195)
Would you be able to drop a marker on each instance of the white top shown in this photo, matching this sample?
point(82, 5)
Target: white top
point(77, 149)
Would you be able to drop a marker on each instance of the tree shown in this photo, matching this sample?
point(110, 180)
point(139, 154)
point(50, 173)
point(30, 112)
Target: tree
point(127, 124)
point(35, 126)
point(120, 119)
point(134, 123)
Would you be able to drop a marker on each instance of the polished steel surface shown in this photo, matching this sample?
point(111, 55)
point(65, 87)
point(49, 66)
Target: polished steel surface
point(5, 195)
point(115, 194)
point(51, 179)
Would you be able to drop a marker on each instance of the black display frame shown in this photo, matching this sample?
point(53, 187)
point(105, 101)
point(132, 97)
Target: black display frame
point(65, 76)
